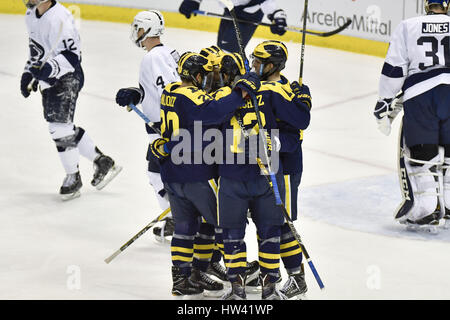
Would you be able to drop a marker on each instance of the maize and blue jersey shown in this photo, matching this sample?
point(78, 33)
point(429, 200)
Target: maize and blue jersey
point(279, 109)
point(180, 108)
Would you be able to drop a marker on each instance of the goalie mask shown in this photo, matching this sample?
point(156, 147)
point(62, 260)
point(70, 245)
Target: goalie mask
point(443, 3)
point(146, 24)
point(32, 3)
point(193, 64)
point(269, 52)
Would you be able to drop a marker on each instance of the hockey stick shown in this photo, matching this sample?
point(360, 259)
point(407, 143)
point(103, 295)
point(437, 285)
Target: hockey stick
point(288, 28)
point(144, 117)
point(140, 233)
point(294, 230)
point(270, 176)
point(302, 54)
point(230, 7)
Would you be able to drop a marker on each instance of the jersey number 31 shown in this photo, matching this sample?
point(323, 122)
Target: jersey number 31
point(435, 53)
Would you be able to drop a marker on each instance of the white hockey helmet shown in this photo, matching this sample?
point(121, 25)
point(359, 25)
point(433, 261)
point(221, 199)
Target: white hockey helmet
point(151, 21)
point(31, 4)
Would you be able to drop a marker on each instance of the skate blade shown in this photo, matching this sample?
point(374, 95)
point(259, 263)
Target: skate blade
point(447, 224)
point(213, 294)
point(189, 297)
point(430, 229)
point(71, 196)
point(252, 289)
point(112, 173)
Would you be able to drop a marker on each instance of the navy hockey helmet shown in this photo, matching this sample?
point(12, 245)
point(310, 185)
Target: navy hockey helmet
point(443, 3)
point(192, 64)
point(270, 51)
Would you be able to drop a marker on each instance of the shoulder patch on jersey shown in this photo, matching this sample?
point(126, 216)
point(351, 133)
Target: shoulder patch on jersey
point(194, 94)
point(282, 89)
point(221, 93)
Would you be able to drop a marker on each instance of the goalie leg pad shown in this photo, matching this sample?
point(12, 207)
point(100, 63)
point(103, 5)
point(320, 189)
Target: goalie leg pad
point(422, 185)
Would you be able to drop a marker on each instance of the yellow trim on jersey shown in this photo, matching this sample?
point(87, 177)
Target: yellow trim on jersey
point(275, 86)
point(213, 185)
point(287, 196)
point(193, 93)
point(217, 205)
point(211, 24)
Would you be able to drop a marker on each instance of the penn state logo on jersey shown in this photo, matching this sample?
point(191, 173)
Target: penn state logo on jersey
point(37, 52)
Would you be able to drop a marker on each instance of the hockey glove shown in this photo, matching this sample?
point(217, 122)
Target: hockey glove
point(249, 83)
point(385, 113)
point(302, 93)
point(278, 19)
point(25, 82)
point(189, 6)
point(42, 71)
point(159, 150)
point(127, 96)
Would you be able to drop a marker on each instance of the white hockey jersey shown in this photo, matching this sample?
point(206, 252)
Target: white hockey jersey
point(54, 39)
point(158, 69)
point(418, 58)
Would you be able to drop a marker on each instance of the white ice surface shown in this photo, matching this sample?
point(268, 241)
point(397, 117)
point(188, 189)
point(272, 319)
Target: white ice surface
point(348, 193)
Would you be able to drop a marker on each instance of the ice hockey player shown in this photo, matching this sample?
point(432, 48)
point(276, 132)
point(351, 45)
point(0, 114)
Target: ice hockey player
point(418, 63)
point(54, 65)
point(248, 10)
point(243, 188)
point(158, 68)
point(269, 59)
point(191, 186)
point(227, 69)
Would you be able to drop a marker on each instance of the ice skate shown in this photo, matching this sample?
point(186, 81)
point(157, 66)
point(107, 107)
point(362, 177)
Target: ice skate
point(182, 284)
point(71, 186)
point(269, 289)
point(428, 224)
point(252, 283)
point(166, 230)
point(215, 269)
point(295, 287)
point(211, 287)
point(105, 170)
point(237, 290)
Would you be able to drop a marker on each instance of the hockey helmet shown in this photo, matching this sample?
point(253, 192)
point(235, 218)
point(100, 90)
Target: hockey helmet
point(192, 64)
point(232, 66)
point(214, 54)
point(152, 24)
point(270, 51)
point(443, 3)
